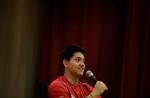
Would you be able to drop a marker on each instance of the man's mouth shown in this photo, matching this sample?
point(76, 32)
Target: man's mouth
point(81, 69)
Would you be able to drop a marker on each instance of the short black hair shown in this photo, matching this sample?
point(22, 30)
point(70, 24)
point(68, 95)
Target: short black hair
point(68, 52)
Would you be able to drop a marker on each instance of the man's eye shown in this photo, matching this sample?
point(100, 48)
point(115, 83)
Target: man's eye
point(78, 60)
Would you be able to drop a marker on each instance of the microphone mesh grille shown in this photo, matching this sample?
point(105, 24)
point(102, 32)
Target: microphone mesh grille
point(89, 73)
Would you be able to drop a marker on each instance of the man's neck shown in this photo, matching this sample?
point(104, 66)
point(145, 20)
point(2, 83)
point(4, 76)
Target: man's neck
point(72, 79)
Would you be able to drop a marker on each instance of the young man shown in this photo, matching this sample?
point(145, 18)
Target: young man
point(68, 85)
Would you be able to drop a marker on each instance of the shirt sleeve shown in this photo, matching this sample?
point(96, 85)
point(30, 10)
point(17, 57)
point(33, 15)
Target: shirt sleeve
point(58, 90)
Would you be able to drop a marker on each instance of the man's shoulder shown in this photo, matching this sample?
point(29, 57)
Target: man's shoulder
point(59, 82)
point(57, 87)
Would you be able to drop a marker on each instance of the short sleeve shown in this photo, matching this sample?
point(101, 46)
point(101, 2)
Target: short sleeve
point(58, 90)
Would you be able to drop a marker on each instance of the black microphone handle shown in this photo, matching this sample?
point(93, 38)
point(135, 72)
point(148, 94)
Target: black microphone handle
point(93, 80)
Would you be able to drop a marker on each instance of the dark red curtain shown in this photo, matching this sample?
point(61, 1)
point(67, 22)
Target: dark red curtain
point(116, 35)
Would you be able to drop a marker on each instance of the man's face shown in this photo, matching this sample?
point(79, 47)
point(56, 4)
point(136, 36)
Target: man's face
point(76, 65)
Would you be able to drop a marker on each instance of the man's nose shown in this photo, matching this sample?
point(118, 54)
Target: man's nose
point(82, 64)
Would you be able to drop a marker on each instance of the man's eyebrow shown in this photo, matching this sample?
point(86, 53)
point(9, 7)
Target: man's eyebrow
point(80, 58)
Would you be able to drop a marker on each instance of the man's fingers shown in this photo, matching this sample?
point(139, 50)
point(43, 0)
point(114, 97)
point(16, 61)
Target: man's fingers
point(105, 87)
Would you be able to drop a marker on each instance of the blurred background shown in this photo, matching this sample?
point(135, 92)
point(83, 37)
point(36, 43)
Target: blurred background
point(115, 33)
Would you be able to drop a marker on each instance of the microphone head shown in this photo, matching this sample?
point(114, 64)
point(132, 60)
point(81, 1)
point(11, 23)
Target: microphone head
point(89, 73)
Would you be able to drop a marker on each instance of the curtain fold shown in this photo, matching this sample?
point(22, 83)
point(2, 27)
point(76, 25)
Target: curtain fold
point(115, 34)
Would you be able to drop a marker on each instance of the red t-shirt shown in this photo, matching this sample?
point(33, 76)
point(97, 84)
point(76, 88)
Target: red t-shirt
point(62, 88)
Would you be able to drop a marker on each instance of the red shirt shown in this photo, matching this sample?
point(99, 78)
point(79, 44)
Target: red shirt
point(62, 88)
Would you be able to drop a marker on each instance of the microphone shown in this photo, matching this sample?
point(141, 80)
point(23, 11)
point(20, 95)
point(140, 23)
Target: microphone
point(91, 76)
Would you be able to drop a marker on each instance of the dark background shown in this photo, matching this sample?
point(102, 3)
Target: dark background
point(115, 33)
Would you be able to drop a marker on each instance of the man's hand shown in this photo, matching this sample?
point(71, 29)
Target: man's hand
point(99, 89)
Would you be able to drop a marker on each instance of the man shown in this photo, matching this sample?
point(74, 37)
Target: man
point(68, 85)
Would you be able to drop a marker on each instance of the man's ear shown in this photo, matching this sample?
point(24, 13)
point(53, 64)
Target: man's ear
point(65, 62)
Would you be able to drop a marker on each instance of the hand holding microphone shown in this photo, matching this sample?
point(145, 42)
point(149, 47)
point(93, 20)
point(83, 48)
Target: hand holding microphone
point(99, 87)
